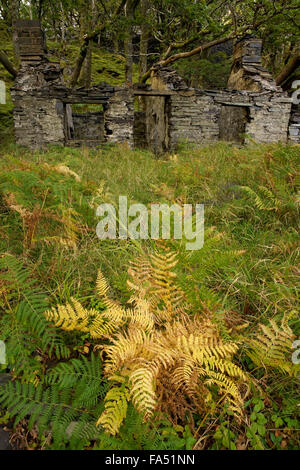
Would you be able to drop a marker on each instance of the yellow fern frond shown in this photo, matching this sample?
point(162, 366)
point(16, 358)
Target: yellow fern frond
point(99, 328)
point(142, 391)
point(155, 280)
point(102, 289)
point(125, 349)
point(225, 366)
point(163, 279)
point(141, 316)
point(116, 315)
point(72, 316)
point(101, 284)
point(202, 347)
point(187, 376)
point(116, 403)
point(227, 387)
point(63, 170)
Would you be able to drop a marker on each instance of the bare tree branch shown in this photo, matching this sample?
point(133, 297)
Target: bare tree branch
point(289, 68)
point(184, 55)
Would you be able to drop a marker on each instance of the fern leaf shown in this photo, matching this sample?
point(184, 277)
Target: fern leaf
point(116, 403)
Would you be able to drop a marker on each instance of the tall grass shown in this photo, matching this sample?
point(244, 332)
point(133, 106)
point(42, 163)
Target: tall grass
point(248, 270)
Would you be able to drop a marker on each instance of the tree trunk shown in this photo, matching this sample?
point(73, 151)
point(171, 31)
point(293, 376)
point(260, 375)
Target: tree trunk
point(87, 73)
point(145, 31)
point(63, 27)
point(85, 43)
point(79, 62)
point(116, 43)
point(90, 25)
point(15, 8)
point(289, 68)
point(30, 10)
point(130, 7)
point(128, 48)
point(4, 60)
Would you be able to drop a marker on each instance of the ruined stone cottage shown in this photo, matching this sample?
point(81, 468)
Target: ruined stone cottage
point(252, 107)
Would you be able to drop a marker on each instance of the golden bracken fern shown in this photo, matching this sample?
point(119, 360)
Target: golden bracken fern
point(162, 355)
point(156, 336)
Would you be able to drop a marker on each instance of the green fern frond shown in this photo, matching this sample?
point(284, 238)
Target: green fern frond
point(272, 349)
point(26, 316)
point(266, 200)
point(84, 376)
point(49, 410)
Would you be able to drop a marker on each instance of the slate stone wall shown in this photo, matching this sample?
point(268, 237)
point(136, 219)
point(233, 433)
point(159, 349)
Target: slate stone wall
point(253, 105)
point(37, 121)
point(40, 99)
point(193, 119)
point(119, 117)
point(200, 118)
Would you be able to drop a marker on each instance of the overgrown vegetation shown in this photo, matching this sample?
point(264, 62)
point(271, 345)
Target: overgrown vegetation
point(199, 340)
point(137, 345)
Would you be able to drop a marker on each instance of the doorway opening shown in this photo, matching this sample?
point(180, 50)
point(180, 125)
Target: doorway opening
point(233, 122)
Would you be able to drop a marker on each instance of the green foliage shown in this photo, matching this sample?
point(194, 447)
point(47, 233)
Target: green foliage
point(224, 438)
point(50, 410)
point(23, 326)
point(82, 375)
point(106, 66)
point(134, 434)
point(245, 275)
point(210, 72)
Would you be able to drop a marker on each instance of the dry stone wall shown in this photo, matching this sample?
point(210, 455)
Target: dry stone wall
point(119, 117)
point(201, 118)
point(40, 110)
point(252, 106)
point(193, 118)
point(37, 121)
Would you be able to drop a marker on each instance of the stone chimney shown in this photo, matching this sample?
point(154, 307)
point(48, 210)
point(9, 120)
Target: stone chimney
point(248, 51)
point(31, 42)
point(247, 72)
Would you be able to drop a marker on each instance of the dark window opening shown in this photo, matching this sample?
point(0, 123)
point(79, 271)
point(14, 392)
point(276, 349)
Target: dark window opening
point(84, 124)
point(139, 123)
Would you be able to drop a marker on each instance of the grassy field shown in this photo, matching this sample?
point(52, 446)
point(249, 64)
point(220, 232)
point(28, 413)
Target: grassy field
point(246, 274)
